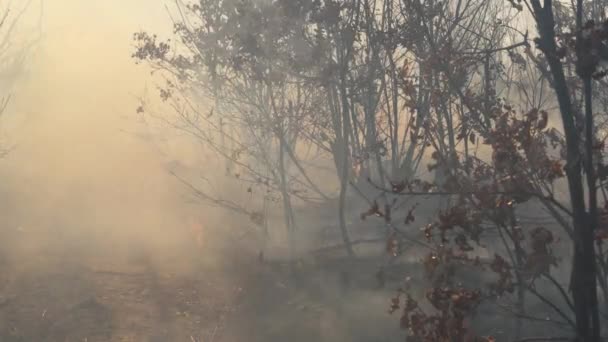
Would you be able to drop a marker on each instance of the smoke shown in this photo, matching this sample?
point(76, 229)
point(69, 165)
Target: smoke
point(86, 184)
point(77, 165)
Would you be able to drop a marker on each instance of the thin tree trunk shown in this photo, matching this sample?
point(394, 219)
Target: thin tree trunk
point(287, 209)
point(345, 171)
point(591, 278)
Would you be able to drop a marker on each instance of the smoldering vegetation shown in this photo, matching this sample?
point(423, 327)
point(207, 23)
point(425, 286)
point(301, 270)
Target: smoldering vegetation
point(277, 170)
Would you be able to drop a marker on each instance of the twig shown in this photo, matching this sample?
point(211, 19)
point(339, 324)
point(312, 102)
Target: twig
point(504, 48)
point(532, 318)
point(561, 290)
point(553, 306)
point(533, 339)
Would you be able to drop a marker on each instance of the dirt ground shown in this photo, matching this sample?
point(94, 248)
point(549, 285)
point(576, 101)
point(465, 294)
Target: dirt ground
point(60, 294)
point(51, 290)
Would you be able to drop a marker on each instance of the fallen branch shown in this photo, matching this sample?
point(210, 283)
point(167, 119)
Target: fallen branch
point(342, 246)
point(533, 339)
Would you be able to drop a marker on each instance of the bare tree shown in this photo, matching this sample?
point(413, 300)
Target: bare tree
point(16, 46)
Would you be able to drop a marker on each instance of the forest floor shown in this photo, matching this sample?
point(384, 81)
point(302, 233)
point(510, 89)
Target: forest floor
point(57, 292)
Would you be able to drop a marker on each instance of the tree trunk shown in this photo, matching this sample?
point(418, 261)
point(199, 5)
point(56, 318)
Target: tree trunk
point(287, 209)
point(590, 257)
point(583, 277)
point(345, 172)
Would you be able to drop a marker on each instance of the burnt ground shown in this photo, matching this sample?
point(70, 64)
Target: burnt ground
point(95, 289)
point(79, 286)
point(65, 297)
point(51, 290)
